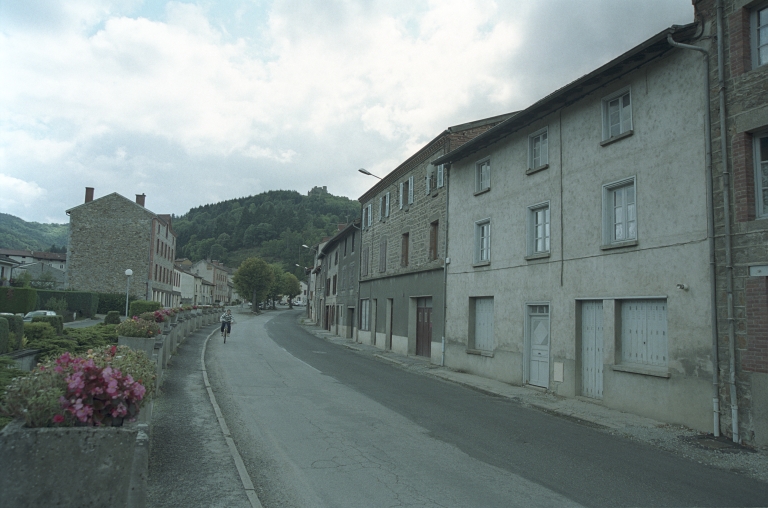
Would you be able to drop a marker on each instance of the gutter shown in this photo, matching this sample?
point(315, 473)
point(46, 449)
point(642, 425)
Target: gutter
point(710, 235)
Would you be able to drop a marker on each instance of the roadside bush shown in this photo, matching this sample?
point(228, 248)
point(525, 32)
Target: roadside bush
point(8, 372)
point(16, 328)
point(139, 307)
point(82, 302)
point(18, 300)
point(113, 301)
point(4, 335)
point(91, 337)
point(59, 306)
point(57, 322)
point(112, 318)
point(36, 332)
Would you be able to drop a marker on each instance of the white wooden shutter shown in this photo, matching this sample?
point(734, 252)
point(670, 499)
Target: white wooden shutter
point(401, 195)
point(484, 324)
point(410, 190)
point(426, 184)
point(386, 205)
point(644, 332)
point(440, 175)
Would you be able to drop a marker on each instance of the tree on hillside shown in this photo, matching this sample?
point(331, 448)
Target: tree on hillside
point(254, 278)
point(290, 287)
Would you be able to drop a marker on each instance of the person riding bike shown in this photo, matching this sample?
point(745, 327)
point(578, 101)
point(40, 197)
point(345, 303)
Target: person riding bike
point(226, 320)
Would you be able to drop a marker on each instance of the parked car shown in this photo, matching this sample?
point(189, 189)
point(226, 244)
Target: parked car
point(37, 313)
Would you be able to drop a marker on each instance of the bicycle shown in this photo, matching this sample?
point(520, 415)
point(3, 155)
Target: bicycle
point(225, 332)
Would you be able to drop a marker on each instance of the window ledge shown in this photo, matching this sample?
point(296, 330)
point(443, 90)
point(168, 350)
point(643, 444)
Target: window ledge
point(480, 352)
point(617, 138)
point(531, 171)
point(539, 255)
point(619, 245)
point(481, 264)
point(639, 369)
point(477, 193)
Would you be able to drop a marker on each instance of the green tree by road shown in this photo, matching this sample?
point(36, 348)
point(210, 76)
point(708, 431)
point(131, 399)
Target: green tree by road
point(254, 277)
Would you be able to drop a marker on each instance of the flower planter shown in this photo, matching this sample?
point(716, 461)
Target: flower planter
point(74, 466)
point(153, 346)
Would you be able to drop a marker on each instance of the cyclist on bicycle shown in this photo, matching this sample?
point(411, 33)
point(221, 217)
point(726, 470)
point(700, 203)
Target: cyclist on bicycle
point(226, 320)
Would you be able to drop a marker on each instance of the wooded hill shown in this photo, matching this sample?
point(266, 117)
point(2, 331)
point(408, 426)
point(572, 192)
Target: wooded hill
point(18, 234)
point(272, 225)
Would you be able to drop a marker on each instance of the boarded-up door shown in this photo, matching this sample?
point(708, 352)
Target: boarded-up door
point(592, 349)
point(424, 327)
point(538, 338)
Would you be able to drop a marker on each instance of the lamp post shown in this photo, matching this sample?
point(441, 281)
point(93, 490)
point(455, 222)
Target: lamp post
point(366, 172)
point(128, 274)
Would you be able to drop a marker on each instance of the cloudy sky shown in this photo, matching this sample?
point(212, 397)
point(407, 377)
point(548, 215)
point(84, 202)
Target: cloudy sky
point(195, 102)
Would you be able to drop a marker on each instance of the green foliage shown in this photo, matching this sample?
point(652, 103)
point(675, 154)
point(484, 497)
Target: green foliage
point(82, 302)
point(58, 305)
point(275, 288)
point(254, 278)
point(91, 337)
point(113, 301)
point(16, 233)
point(16, 329)
point(18, 300)
point(4, 335)
point(139, 307)
point(112, 318)
point(290, 285)
point(138, 327)
point(57, 322)
point(35, 397)
point(46, 280)
point(38, 332)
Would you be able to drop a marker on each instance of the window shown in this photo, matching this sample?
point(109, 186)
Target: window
point(483, 241)
point(433, 229)
point(617, 114)
point(334, 284)
point(538, 229)
point(353, 242)
point(365, 312)
point(404, 250)
point(384, 206)
point(364, 262)
point(761, 173)
point(440, 175)
point(481, 324)
point(367, 216)
point(336, 257)
point(538, 151)
point(620, 219)
point(644, 332)
point(482, 176)
point(759, 36)
point(383, 256)
point(406, 192)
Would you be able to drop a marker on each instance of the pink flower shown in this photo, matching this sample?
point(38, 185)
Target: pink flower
point(58, 418)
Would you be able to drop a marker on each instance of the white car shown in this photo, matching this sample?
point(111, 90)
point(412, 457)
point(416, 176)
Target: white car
point(37, 313)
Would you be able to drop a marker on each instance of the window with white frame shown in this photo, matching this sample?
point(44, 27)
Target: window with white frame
point(538, 150)
point(483, 241)
point(406, 192)
point(759, 35)
point(644, 338)
point(367, 210)
point(619, 212)
point(761, 173)
point(538, 229)
point(365, 312)
point(384, 206)
point(440, 175)
point(483, 176)
point(617, 114)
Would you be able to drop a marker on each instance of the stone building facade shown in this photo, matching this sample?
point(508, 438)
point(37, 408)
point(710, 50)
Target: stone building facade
point(737, 30)
point(339, 268)
point(403, 246)
point(111, 234)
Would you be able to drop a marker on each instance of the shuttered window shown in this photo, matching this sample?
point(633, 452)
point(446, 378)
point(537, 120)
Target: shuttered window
point(644, 338)
point(483, 332)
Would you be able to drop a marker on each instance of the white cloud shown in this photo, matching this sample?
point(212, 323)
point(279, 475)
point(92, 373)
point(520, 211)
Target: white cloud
point(16, 193)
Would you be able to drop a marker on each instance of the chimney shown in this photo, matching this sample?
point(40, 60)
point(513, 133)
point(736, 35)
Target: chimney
point(88, 194)
point(140, 199)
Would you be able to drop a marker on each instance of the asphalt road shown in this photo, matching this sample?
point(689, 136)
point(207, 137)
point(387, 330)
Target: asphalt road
point(319, 425)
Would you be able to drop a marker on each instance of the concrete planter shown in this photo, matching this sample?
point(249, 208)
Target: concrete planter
point(153, 346)
point(74, 466)
point(25, 359)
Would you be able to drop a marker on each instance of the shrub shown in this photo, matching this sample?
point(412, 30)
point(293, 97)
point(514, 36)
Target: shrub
point(139, 307)
point(58, 305)
point(18, 300)
point(113, 318)
point(4, 335)
point(137, 327)
point(57, 322)
point(113, 301)
point(91, 337)
point(16, 327)
point(37, 332)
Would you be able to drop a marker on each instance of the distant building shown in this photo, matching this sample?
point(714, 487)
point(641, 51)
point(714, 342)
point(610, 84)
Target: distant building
point(6, 269)
point(54, 259)
point(111, 234)
point(42, 275)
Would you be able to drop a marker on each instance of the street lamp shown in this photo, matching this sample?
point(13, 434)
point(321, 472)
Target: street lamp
point(366, 172)
point(128, 274)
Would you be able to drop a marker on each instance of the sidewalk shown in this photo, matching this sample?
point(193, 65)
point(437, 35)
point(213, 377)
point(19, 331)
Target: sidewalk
point(718, 452)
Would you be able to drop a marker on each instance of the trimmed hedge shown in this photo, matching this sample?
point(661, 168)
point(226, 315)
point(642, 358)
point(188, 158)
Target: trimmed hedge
point(113, 301)
point(4, 335)
point(16, 327)
point(82, 302)
point(18, 300)
point(113, 318)
point(56, 322)
point(139, 307)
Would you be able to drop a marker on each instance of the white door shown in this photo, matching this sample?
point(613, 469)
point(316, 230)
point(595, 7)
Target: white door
point(538, 338)
point(592, 349)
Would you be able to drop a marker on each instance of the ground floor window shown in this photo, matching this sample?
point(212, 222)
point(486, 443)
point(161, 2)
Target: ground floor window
point(481, 324)
point(365, 313)
point(644, 338)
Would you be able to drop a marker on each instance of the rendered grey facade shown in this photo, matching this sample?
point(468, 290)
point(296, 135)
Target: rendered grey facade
point(338, 269)
point(111, 234)
point(402, 253)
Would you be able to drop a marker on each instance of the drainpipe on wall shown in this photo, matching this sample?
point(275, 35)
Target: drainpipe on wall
point(710, 235)
point(446, 261)
point(727, 233)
